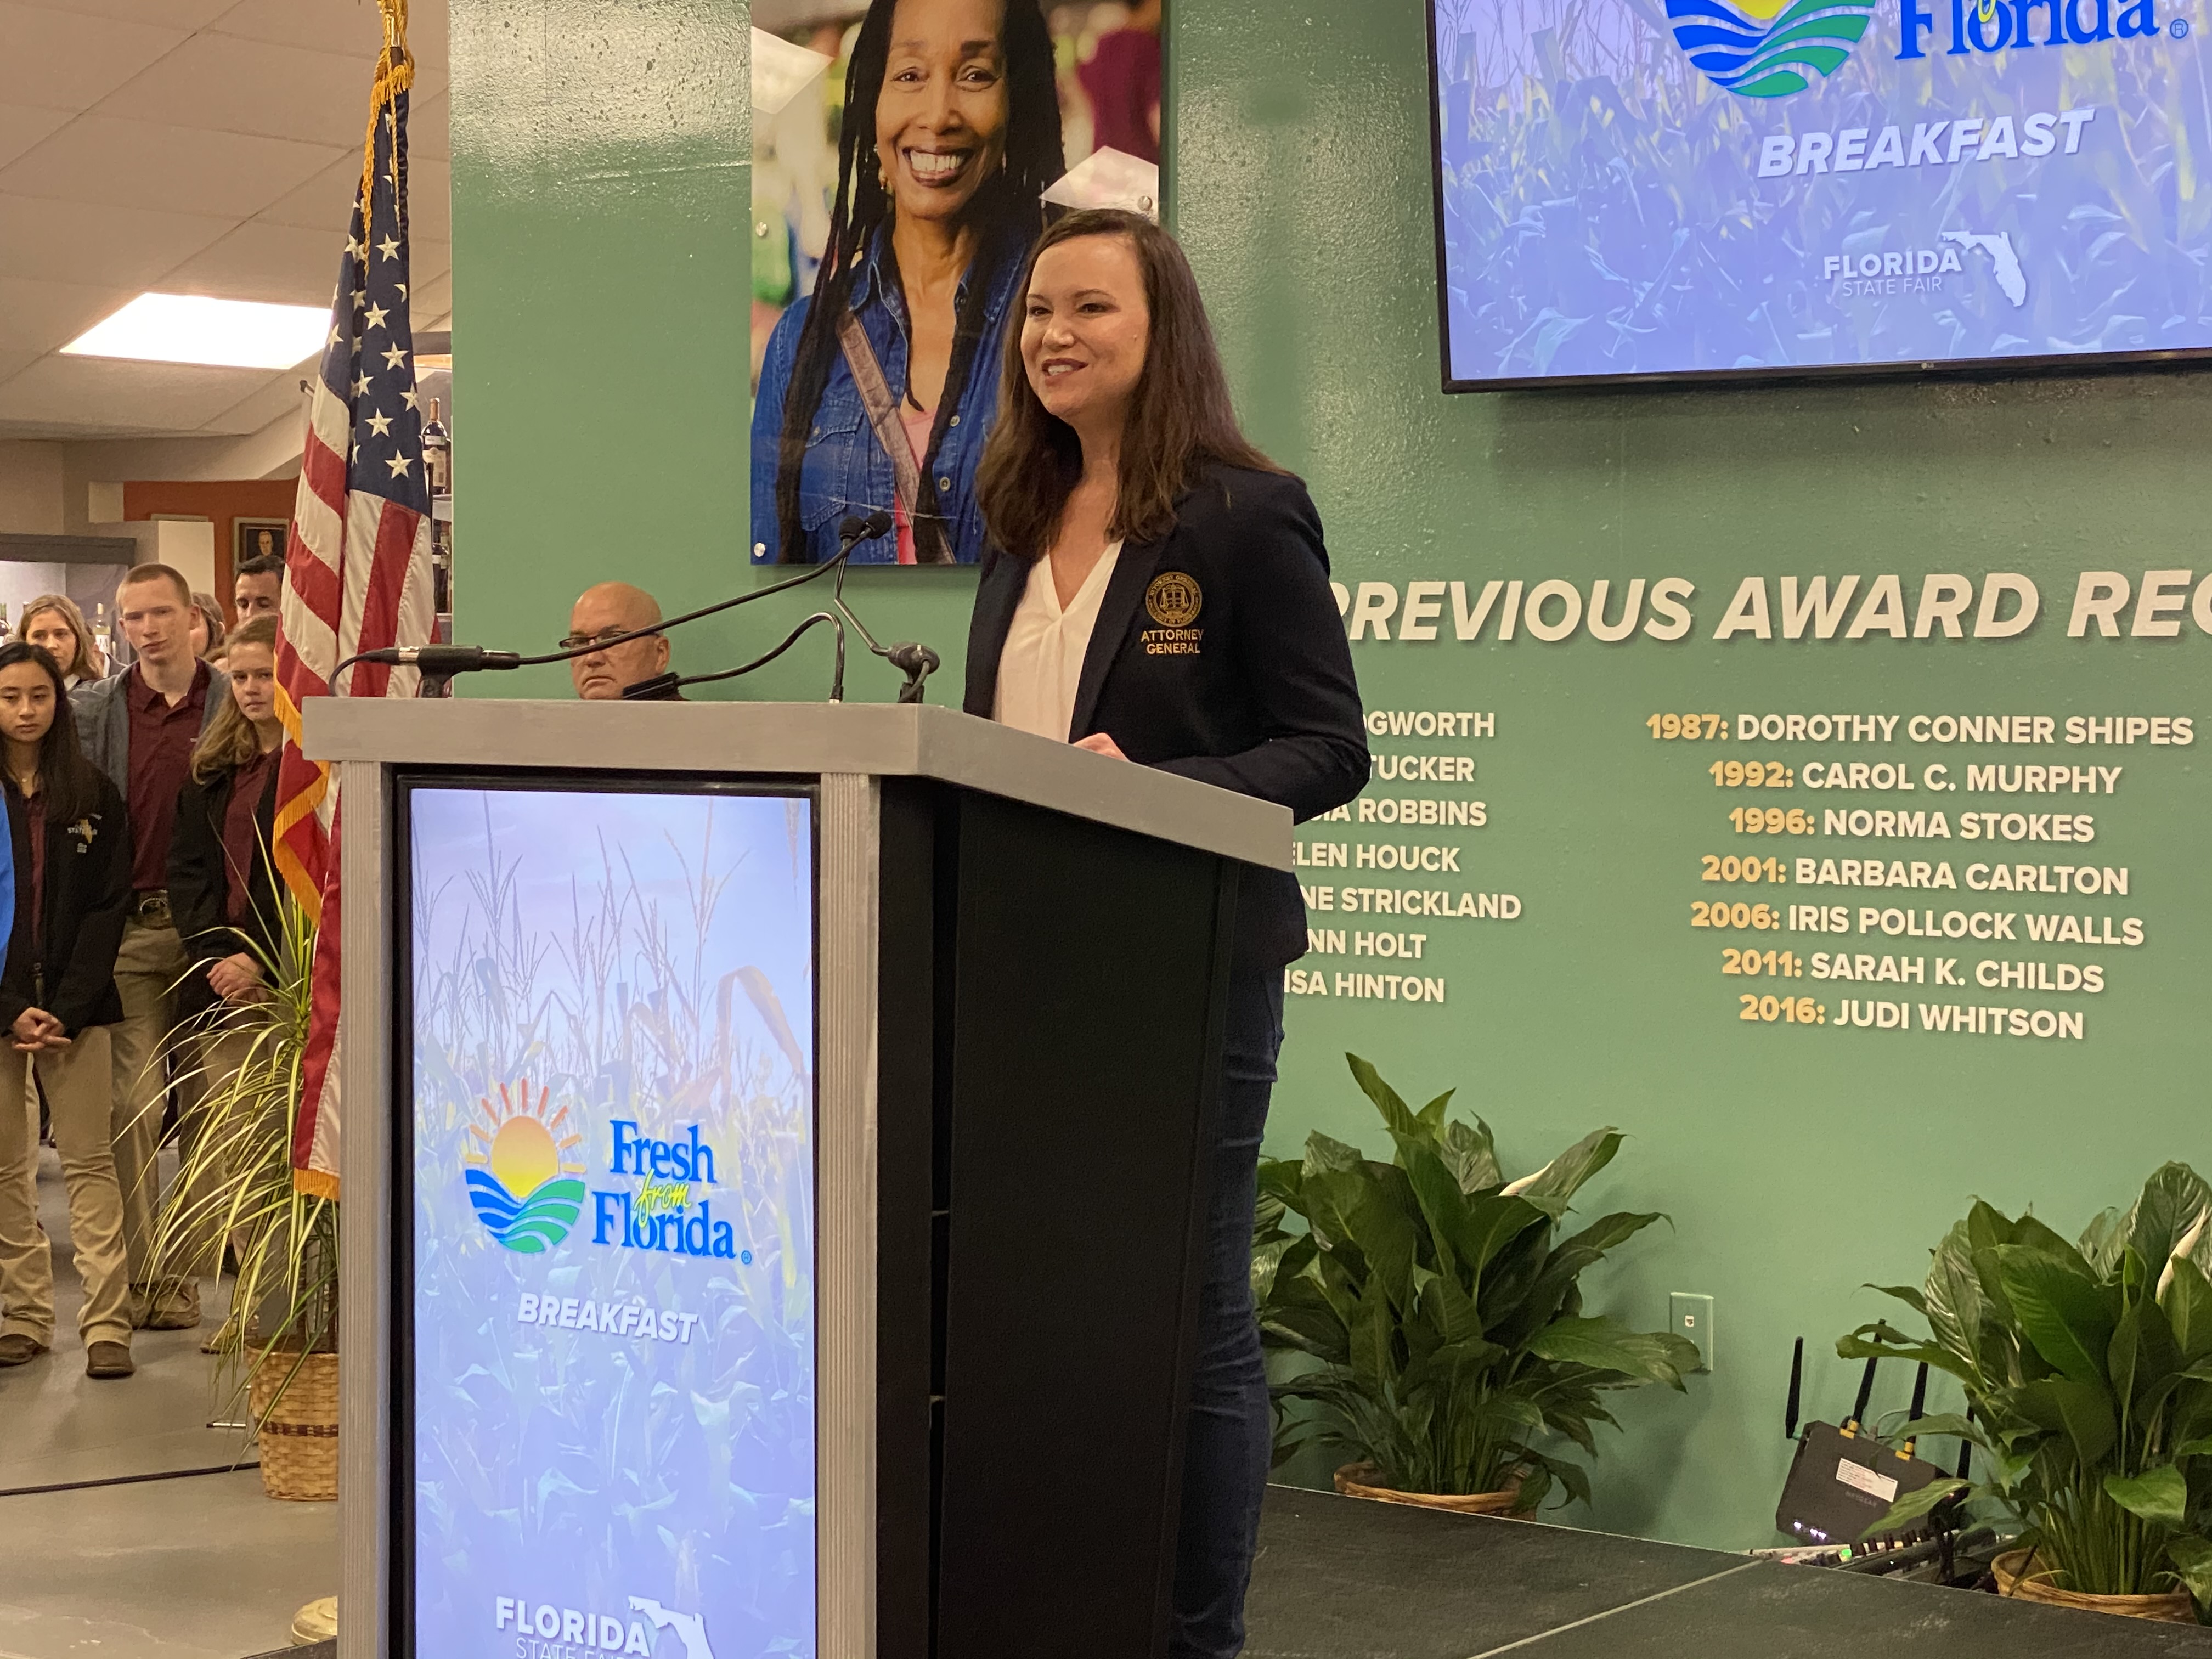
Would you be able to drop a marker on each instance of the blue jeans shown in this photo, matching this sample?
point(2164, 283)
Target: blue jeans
point(1227, 1445)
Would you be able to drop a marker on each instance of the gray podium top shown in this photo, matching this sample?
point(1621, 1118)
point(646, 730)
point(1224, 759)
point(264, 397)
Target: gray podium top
point(891, 740)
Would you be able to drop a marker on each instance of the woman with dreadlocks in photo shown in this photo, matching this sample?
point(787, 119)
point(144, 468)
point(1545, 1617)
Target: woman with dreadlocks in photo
point(877, 392)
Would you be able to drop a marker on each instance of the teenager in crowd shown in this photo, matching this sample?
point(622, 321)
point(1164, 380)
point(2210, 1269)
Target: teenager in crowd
point(71, 843)
point(53, 621)
point(1124, 503)
point(259, 588)
point(207, 627)
point(222, 892)
point(140, 728)
point(877, 390)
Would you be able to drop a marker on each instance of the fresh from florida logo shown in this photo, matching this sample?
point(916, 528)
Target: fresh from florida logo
point(526, 1189)
point(1762, 48)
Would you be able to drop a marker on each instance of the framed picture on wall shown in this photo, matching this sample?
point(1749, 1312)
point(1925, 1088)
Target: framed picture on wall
point(253, 539)
point(1062, 110)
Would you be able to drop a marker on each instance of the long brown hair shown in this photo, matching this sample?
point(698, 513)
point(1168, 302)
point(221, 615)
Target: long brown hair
point(230, 740)
point(88, 664)
point(1180, 419)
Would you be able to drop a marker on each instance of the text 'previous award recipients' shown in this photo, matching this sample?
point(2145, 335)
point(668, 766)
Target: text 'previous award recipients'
point(1155, 589)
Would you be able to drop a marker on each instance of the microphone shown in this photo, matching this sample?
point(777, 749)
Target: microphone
point(441, 660)
point(917, 663)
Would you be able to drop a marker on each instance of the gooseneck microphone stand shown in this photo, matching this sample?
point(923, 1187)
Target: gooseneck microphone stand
point(438, 663)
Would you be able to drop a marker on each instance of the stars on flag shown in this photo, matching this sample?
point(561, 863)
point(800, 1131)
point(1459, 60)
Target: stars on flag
point(380, 422)
point(375, 317)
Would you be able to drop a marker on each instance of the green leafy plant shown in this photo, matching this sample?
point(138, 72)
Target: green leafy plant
point(1448, 1325)
point(234, 1183)
point(2089, 1370)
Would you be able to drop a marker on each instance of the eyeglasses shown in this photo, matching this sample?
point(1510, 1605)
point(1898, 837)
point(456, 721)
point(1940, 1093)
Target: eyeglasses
point(605, 637)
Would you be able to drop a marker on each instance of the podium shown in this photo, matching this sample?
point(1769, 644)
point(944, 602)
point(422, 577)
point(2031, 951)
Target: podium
point(773, 1165)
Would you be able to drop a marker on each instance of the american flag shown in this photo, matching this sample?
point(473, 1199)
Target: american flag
point(357, 569)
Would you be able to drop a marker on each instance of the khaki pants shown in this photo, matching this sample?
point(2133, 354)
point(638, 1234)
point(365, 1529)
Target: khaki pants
point(147, 969)
point(78, 1082)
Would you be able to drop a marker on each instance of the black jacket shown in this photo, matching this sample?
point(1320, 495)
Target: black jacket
point(87, 897)
point(1219, 655)
point(199, 886)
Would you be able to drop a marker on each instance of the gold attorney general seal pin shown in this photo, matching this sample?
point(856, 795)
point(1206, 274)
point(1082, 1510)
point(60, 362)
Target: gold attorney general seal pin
point(1173, 600)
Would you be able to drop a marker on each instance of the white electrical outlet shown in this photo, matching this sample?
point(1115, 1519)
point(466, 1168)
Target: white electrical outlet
point(1691, 1317)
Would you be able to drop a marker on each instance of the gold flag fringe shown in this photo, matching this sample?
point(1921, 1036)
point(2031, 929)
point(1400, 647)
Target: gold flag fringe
point(395, 73)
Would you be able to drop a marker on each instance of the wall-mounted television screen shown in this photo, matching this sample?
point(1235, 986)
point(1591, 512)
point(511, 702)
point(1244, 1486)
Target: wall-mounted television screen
point(1727, 188)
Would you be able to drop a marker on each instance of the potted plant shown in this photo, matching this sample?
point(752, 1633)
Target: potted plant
point(2087, 1368)
point(278, 1347)
point(1445, 1320)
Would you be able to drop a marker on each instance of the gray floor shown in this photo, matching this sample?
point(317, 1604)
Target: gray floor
point(196, 1567)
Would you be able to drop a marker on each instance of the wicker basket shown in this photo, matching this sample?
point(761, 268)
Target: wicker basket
point(2173, 1608)
point(300, 1437)
point(1353, 1481)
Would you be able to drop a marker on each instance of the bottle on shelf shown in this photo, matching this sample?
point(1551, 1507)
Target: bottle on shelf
point(438, 453)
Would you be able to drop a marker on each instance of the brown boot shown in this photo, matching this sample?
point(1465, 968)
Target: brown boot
point(105, 1360)
point(16, 1349)
point(175, 1305)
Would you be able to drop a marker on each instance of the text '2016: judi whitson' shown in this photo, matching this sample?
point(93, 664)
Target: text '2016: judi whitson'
point(2002, 606)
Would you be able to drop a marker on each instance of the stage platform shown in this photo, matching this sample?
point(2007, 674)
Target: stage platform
point(1345, 1578)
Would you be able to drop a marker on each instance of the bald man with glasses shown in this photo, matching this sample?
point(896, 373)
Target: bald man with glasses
point(605, 612)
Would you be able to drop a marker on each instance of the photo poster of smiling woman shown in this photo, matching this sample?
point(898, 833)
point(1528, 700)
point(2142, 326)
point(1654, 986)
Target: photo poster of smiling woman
point(906, 155)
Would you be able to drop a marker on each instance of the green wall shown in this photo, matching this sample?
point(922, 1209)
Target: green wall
point(599, 202)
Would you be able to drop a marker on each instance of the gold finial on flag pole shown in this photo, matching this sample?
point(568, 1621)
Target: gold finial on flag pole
point(395, 73)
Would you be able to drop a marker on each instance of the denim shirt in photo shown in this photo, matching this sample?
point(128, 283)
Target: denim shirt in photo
point(846, 471)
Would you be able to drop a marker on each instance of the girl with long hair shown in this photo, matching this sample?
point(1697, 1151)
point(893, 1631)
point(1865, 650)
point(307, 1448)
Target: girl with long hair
point(877, 392)
point(1157, 591)
point(222, 891)
point(72, 849)
point(52, 620)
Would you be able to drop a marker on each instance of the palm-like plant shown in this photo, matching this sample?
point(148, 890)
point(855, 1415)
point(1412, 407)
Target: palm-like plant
point(235, 1181)
point(2088, 1368)
point(1448, 1325)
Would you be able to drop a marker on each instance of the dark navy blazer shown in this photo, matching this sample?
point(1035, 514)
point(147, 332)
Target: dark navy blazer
point(1219, 655)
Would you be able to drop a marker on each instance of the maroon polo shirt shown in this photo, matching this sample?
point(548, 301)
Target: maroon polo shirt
point(241, 833)
point(162, 738)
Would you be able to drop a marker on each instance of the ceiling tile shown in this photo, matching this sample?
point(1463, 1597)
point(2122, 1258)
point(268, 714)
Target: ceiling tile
point(230, 85)
point(178, 15)
point(63, 60)
point(343, 25)
point(429, 199)
point(433, 301)
point(428, 124)
point(322, 203)
point(281, 264)
point(99, 392)
point(41, 316)
point(22, 126)
point(81, 242)
point(273, 402)
point(147, 164)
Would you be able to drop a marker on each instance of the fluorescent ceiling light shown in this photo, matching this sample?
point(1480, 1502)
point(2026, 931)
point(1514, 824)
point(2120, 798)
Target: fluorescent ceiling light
point(191, 328)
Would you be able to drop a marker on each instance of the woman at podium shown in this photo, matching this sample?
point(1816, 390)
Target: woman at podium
point(1157, 589)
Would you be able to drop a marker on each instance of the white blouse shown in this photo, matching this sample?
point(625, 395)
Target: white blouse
point(1042, 662)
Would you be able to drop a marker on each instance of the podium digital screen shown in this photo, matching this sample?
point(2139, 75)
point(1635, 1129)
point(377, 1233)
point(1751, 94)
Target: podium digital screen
point(605, 1342)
